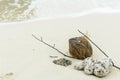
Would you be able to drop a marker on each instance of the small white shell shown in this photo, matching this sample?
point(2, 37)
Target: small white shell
point(79, 65)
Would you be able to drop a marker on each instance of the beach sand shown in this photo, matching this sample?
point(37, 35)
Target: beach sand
point(29, 59)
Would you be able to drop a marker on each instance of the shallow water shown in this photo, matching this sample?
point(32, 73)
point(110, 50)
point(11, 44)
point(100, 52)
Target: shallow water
point(16, 10)
point(21, 10)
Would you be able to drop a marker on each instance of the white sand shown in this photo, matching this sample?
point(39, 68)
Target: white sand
point(29, 59)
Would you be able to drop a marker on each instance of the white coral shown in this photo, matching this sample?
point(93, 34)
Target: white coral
point(88, 69)
point(99, 68)
point(103, 67)
point(79, 65)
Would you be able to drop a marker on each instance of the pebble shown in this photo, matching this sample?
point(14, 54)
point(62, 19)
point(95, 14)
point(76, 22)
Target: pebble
point(62, 62)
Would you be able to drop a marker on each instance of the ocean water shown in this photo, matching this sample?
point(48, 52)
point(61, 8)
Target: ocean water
point(16, 10)
point(22, 10)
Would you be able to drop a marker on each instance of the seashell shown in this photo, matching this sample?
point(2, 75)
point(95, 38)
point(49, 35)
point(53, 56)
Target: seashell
point(80, 48)
point(79, 65)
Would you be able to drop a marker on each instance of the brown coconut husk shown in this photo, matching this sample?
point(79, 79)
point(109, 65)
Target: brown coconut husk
point(80, 48)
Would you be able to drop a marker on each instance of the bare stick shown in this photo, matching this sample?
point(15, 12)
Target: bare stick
point(93, 43)
point(41, 40)
point(115, 66)
point(54, 56)
point(98, 48)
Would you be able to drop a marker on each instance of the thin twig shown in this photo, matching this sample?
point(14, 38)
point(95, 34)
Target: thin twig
point(93, 43)
point(98, 48)
point(116, 67)
point(53, 47)
point(54, 56)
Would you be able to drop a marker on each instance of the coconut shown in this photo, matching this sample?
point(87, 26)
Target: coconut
point(80, 48)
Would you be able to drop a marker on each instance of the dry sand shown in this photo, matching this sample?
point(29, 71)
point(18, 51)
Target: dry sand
point(29, 59)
